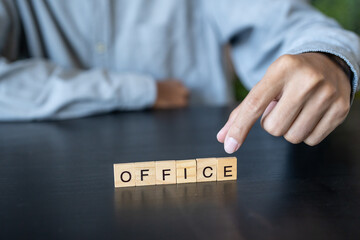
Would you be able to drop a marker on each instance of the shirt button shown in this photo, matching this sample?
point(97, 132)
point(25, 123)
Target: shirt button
point(100, 47)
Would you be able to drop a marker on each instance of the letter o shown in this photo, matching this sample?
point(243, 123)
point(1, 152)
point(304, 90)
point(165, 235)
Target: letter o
point(122, 176)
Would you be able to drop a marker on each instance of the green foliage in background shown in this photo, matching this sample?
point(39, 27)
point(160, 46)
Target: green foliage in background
point(346, 12)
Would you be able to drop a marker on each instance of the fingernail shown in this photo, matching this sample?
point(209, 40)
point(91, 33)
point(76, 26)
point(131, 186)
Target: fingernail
point(231, 145)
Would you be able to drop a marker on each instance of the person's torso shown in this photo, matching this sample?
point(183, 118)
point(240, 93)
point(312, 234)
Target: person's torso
point(161, 38)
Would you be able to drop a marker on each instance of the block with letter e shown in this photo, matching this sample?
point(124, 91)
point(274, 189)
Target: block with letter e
point(173, 172)
point(226, 168)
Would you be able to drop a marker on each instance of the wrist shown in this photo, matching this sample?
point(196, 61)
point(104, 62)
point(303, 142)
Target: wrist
point(341, 63)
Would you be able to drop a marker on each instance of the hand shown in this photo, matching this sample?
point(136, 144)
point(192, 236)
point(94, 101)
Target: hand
point(171, 94)
point(302, 97)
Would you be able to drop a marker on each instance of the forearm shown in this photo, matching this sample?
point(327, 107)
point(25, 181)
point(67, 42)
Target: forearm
point(38, 90)
point(261, 31)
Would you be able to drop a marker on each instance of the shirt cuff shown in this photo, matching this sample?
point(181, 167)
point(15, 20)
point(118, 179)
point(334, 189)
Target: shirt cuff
point(347, 56)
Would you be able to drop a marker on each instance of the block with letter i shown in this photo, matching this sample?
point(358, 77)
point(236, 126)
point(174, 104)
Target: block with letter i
point(124, 175)
point(226, 168)
point(145, 173)
point(206, 169)
point(186, 171)
point(165, 172)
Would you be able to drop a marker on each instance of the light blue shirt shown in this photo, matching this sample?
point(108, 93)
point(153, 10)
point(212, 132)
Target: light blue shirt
point(72, 58)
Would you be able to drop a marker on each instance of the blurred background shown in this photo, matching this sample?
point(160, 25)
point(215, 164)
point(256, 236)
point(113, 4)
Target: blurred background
point(346, 12)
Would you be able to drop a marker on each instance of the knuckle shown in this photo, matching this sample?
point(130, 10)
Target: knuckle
point(292, 138)
point(252, 104)
point(342, 108)
point(288, 61)
point(314, 74)
point(233, 114)
point(309, 82)
point(329, 92)
point(311, 142)
point(271, 126)
point(312, 79)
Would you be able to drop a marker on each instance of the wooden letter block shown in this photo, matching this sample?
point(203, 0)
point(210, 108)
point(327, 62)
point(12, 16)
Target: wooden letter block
point(124, 175)
point(145, 173)
point(206, 169)
point(226, 168)
point(186, 171)
point(165, 172)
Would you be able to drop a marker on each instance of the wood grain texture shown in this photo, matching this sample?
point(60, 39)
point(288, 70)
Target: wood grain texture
point(124, 175)
point(56, 181)
point(165, 172)
point(145, 173)
point(186, 171)
point(226, 168)
point(206, 169)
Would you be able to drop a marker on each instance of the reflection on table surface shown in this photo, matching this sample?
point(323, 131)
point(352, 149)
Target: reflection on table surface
point(56, 181)
point(167, 196)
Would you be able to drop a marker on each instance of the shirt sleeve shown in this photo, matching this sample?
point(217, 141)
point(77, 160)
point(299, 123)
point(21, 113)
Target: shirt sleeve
point(262, 30)
point(37, 89)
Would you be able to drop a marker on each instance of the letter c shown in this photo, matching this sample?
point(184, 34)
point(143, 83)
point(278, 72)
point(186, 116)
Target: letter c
point(207, 176)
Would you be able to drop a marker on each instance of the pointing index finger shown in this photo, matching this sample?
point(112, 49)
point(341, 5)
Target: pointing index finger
point(251, 108)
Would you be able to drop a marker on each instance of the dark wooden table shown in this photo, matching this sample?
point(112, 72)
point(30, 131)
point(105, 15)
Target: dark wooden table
point(56, 181)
